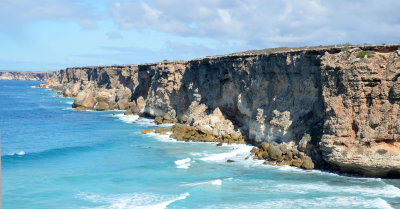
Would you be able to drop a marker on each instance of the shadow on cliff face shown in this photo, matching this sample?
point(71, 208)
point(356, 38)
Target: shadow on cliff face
point(286, 88)
point(267, 98)
point(394, 92)
point(144, 78)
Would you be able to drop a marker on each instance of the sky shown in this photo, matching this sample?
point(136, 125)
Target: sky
point(55, 34)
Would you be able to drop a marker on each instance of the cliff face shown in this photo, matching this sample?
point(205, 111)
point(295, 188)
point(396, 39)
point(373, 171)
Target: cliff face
point(25, 75)
point(362, 125)
point(347, 100)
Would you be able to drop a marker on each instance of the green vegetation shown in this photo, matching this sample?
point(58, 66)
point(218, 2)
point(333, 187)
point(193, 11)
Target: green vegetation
point(362, 54)
point(383, 57)
point(346, 47)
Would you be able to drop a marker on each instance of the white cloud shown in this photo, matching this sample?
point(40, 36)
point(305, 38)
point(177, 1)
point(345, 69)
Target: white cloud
point(20, 12)
point(262, 23)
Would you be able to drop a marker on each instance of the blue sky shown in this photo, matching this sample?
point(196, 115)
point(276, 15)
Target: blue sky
point(55, 34)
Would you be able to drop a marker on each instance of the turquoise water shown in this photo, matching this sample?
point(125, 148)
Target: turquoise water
point(55, 157)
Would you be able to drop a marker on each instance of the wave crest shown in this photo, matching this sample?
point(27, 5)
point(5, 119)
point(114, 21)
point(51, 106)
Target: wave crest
point(135, 200)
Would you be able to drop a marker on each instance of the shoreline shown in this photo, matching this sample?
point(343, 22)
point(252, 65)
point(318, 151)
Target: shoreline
point(249, 158)
point(328, 106)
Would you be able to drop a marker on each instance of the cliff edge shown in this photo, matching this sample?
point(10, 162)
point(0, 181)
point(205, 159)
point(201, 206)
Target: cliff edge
point(25, 75)
point(337, 105)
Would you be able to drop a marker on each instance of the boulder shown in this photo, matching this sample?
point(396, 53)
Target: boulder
point(282, 163)
point(158, 120)
point(147, 131)
point(297, 162)
point(128, 112)
point(265, 146)
point(274, 152)
point(165, 119)
point(161, 131)
point(254, 150)
point(123, 104)
point(270, 162)
point(102, 106)
point(81, 108)
point(307, 163)
point(84, 99)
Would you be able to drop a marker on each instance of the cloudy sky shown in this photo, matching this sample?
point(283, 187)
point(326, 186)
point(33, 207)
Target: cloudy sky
point(54, 34)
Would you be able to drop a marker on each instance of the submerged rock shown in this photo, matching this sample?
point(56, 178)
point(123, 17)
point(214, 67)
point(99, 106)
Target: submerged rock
point(161, 120)
point(270, 162)
point(129, 112)
point(161, 131)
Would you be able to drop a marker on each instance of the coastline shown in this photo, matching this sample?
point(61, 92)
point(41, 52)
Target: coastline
point(319, 104)
point(126, 168)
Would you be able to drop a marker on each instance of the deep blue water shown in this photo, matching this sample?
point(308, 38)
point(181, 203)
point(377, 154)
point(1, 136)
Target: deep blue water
point(56, 157)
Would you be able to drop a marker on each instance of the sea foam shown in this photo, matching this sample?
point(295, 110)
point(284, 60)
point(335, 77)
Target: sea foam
point(184, 163)
point(215, 182)
point(239, 152)
point(127, 118)
point(135, 200)
point(20, 153)
point(321, 202)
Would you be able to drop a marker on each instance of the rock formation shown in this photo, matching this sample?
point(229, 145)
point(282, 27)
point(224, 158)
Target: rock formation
point(331, 104)
point(25, 75)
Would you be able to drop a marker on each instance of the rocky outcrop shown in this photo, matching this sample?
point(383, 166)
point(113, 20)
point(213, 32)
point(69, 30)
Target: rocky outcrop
point(337, 108)
point(99, 88)
point(26, 75)
point(362, 123)
point(282, 154)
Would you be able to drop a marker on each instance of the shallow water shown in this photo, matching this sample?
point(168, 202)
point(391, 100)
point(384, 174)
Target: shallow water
point(55, 157)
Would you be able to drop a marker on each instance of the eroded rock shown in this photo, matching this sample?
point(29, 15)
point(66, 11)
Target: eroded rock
point(147, 131)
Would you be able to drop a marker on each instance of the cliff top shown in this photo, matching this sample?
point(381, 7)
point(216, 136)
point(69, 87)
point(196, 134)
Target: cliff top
point(268, 51)
point(11, 71)
point(330, 48)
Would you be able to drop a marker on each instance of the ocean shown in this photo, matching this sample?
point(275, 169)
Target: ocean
point(55, 157)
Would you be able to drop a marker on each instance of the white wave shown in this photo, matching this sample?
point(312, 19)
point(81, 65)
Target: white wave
point(127, 118)
point(16, 153)
point(163, 138)
point(198, 154)
point(239, 152)
point(184, 163)
point(135, 200)
point(166, 124)
point(150, 122)
point(20, 153)
point(322, 202)
point(145, 122)
point(289, 168)
point(69, 102)
point(388, 191)
point(216, 182)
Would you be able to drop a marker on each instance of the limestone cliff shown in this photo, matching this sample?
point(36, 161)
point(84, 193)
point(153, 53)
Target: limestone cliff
point(25, 75)
point(339, 105)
